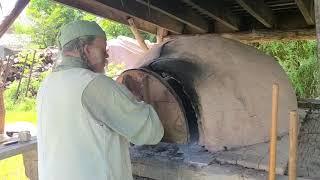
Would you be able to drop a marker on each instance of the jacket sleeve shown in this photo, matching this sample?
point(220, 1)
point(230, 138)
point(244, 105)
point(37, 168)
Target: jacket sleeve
point(113, 105)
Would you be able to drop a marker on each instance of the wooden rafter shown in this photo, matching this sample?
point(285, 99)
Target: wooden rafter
point(15, 12)
point(307, 10)
point(176, 10)
point(215, 10)
point(259, 10)
point(135, 9)
point(144, 19)
point(264, 35)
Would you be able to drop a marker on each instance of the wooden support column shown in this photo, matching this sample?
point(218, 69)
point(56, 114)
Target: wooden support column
point(30, 161)
point(137, 35)
point(161, 33)
point(307, 10)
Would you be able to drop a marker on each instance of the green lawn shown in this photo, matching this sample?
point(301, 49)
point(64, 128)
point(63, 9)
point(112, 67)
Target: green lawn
point(12, 168)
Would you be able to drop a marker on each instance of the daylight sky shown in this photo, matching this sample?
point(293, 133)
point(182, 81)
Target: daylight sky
point(7, 6)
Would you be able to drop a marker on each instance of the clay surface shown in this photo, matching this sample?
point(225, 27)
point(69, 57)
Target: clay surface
point(229, 85)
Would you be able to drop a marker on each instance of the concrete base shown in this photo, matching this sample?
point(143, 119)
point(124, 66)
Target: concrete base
point(30, 161)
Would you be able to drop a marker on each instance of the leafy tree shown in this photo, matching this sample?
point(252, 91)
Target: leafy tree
point(47, 17)
point(299, 60)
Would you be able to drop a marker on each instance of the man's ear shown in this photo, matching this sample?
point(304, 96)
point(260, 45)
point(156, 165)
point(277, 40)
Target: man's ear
point(86, 50)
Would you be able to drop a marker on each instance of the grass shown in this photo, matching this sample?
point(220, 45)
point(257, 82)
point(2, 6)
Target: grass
point(13, 168)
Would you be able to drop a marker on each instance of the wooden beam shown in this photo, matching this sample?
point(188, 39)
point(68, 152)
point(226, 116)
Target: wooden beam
point(259, 10)
point(307, 9)
point(19, 148)
point(103, 11)
point(114, 10)
point(137, 35)
point(215, 10)
point(263, 35)
point(15, 12)
point(135, 9)
point(176, 10)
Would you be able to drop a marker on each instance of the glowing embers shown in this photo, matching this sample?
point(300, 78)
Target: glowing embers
point(151, 88)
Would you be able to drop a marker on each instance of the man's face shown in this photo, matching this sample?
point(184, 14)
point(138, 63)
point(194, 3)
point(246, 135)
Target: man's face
point(97, 54)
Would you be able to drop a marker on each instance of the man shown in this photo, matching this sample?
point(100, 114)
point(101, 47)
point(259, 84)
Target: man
point(86, 120)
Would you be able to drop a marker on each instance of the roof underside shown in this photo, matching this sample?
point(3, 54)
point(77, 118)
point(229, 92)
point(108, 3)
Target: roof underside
point(204, 16)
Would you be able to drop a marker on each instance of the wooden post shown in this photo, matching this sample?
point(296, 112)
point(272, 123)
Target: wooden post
point(137, 35)
point(2, 112)
point(273, 133)
point(161, 33)
point(4, 74)
point(293, 134)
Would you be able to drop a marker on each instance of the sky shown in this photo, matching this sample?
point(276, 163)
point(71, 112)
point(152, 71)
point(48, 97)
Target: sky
point(7, 6)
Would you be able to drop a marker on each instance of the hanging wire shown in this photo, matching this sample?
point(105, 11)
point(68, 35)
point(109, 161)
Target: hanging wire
point(149, 10)
point(122, 3)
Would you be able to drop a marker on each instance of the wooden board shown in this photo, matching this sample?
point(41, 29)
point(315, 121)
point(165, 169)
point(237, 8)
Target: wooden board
point(149, 87)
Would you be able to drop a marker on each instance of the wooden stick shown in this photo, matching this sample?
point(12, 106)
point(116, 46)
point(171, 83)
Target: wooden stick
point(4, 77)
point(30, 73)
point(273, 132)
point(137, 35)
point(20, 80)
point(2, 112)
point(293, 134)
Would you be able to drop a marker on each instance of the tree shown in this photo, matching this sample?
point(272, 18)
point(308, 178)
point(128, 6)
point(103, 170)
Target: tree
point(47, 17)
point(299, 60)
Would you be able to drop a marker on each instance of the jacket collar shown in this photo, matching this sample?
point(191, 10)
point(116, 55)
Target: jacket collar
point(69, 62)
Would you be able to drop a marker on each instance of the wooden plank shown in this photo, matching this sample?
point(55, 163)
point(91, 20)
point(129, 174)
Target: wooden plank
point(217, 11)
point(176, 10)
point(263, 35)
point(8, 20)
point(19, 148)
point(307, 9)
point(135, 9)
point(259, 10)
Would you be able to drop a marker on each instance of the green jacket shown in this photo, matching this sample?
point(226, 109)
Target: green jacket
point(85, 123)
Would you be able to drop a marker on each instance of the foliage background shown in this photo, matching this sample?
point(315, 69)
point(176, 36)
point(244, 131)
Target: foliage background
point(47, 17)
point(299, 60)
